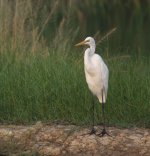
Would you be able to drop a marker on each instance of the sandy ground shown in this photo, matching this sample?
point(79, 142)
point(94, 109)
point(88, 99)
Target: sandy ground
point(70, 140)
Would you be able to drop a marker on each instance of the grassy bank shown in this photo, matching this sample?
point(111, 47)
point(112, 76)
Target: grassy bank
point(53, 88)
point(41, 72)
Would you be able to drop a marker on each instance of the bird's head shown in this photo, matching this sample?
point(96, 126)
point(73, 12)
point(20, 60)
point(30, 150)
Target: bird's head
point(88, 41)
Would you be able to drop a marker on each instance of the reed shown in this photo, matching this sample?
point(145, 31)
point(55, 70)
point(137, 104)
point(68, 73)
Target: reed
point(31, 24)
point(42, 75)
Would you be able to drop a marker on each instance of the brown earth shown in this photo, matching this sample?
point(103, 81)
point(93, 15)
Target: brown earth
point(65, 140)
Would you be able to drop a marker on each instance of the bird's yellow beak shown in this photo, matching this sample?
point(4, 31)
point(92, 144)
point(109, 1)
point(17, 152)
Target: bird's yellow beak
point(81, 43)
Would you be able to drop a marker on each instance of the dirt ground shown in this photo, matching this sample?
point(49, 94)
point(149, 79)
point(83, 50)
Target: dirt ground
point(71, 140)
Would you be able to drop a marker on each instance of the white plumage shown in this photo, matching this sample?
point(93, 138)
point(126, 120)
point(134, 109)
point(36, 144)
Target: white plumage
point(97, 74)
point(96, 71)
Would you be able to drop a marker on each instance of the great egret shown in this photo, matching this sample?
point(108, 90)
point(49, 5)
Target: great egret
point(96, 73)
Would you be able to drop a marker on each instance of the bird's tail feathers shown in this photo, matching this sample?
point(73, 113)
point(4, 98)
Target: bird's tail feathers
point(102, 100)
point(102, 97)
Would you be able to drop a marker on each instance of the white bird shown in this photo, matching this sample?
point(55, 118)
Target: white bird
point(97, 74)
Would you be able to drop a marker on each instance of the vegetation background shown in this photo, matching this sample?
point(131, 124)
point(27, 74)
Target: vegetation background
point(41, 72)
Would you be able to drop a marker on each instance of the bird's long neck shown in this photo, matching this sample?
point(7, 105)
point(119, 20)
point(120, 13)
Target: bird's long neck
point(92, 49)
point(88, 54)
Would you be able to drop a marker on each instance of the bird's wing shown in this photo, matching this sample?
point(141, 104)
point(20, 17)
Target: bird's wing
point(105, 77)
point(103, 70)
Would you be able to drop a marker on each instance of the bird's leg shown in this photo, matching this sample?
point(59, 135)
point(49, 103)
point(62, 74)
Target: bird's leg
point(93, 131)
point(104, 125)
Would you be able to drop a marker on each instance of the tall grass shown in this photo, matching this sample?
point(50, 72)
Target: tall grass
point(29, 21)
point(42, 75)
point(53, 88)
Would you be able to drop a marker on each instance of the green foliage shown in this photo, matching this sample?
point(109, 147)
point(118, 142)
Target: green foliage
point(30, 22)
point(129, 92)
point(53, 88)
point(41, 72)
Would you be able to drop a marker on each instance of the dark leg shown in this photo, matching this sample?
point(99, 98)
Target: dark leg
point(103, 114)
point(93, 131)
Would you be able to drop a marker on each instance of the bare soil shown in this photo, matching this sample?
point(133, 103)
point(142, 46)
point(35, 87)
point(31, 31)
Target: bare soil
point(70, 140)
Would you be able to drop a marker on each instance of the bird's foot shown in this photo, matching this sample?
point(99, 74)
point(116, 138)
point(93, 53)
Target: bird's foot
point(93, 131)
point(104, 132)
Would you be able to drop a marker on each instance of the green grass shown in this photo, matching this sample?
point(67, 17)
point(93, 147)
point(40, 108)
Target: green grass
point(42, 76)
point(53, 88)
point(129, 92)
